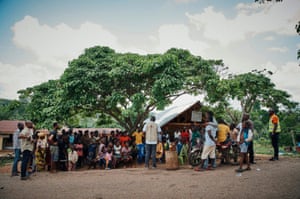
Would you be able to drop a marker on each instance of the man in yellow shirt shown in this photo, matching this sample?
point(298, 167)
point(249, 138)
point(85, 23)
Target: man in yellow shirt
point(222, 135)
point(223, 131)
point(138, 135)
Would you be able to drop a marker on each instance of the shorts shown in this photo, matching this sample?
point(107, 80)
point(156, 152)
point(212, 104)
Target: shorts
point(208, 151)
point(54, 153)
point(243, 148)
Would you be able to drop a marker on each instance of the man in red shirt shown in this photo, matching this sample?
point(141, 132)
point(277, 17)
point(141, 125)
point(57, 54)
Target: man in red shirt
point(185, 135)
point(124, 138)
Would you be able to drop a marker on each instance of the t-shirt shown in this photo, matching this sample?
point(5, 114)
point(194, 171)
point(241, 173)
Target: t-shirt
point(177, 135)
point(125, 151)
point(73, 156)
point(208, 140)
point(54, 137)
point(16, 140)
point(108, 156)
point(246, 139)
point(151, 129)
point(79, 149)
point(138, 137)
point(25, 143)
point(117, 149)
point(185, 136)
point(223, 131)
point(124, 139)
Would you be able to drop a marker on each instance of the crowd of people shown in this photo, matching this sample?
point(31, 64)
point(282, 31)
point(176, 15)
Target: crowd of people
point(66, 150)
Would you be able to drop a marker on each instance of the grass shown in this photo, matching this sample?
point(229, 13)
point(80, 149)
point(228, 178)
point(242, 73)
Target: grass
point(5, 160)
point(267, 149)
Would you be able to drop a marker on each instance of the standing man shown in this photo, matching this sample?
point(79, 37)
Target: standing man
point(17, 149)
point(151, 129)
point(138, 134)
point(209, 148)
point(26, 147)
point(53, 142)
point(274, 130)
point(246, 117)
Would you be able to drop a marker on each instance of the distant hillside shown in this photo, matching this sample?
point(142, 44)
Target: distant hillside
point(5, 101)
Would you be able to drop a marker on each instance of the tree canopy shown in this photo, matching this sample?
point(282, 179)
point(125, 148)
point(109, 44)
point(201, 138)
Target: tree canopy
point(128, 86)
point(124, 88)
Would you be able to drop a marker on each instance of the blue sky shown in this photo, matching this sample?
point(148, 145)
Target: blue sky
point(38, 38)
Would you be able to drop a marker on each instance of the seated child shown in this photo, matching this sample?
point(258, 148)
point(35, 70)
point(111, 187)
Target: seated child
point(117, 154)
point(159, 150)
point(108, 158)
point(126, 154)
point(101, 157)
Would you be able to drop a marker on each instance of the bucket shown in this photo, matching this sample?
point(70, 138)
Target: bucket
point(171, 160)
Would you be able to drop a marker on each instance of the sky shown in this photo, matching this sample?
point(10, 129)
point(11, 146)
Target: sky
point(39, 38)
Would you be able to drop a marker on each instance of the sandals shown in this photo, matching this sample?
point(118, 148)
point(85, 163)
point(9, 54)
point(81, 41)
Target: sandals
point(199, 169)
point(239, 170)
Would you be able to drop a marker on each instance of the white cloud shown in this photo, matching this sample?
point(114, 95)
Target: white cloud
point(278, 49)
point(53, 47)
point(14, 78)
point(184, 1)
point(251, 19)
point(61, 43)
point(269, 38)
point(178, 35)
point(286, 78)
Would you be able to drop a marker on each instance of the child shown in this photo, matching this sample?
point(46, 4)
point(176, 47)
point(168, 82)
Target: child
point(117, 154)
point(159, 150)
point(91, 158)
point(72, 158)
point(126, 154)
point(79, 150)
point(101, 156)
point(41, 152)
point(108, 158)
point(244, 137)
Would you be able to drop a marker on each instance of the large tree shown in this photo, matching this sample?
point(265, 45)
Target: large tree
point(255, 87)
point(44, 103)
point(128, 86)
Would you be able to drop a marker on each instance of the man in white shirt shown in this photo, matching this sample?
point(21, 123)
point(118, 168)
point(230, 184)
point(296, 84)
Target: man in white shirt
point(17, 149)
point(151, 129)
point(26, 147)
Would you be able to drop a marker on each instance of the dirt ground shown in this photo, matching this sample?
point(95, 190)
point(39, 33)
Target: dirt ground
point(280, 179)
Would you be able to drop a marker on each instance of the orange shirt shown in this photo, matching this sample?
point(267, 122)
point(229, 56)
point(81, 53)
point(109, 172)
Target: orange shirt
point(123, 139)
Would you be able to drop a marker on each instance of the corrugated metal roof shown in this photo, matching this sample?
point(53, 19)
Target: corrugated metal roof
point(9, 126)
point(179, 106)
point(170, 113)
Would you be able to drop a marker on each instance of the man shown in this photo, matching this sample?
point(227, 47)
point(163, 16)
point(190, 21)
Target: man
point(17, 149)
point(53, 142)
point(246, 117)
point(151, 129)
point(26, 147)
point(222, 140)
point(274, 130)
point(209, 149)
point(138, 134)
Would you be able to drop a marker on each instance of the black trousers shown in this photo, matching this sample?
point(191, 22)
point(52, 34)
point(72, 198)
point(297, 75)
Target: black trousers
point(251, 152)
point(275, 140)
